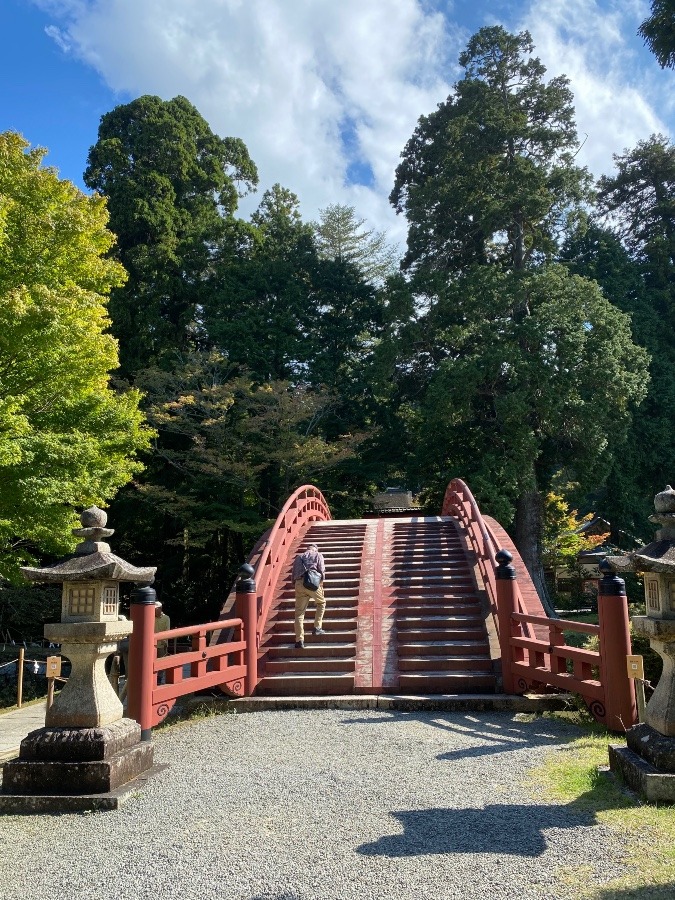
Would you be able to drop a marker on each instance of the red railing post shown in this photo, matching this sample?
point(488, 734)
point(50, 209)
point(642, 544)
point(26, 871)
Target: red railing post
point(142, 659)
point(620, 703)
point(506, 606)
point(246, 608)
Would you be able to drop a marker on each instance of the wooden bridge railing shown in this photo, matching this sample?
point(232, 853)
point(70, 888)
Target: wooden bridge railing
point(534, 649)
point(155, 682)
point(307, 504)
point(224, 653)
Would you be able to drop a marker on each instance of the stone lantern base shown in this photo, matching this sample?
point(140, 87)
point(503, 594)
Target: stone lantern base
point(76, 769)
point(647, 764)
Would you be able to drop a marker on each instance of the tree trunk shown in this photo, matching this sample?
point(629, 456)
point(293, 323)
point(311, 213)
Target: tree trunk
point(528, 527)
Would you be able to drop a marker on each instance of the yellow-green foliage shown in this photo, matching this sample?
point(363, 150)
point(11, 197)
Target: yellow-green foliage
point(66, 439)
point(561, 540)
point(571, 776)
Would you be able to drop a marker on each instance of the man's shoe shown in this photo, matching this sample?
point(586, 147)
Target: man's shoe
point(319, 631)
point(299, 645)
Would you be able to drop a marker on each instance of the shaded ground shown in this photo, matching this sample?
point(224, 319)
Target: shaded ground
point(324, 805)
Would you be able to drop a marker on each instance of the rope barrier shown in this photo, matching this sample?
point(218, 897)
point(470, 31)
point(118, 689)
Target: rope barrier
point(39, 662)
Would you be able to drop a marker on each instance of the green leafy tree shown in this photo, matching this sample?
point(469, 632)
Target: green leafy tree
point(340, 236)
point(563, 537)
point(633, 258)
point(262, 307)
point(658, 32)
point(515, 367)
point(66, 439)
point(228, 453)
point(172, 187)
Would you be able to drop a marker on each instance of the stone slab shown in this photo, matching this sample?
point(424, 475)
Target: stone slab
point(656, 748)
point(529, 703)
point(641, 776)
point(533, 703)
point(80, 744)
point(50, 804)
point(35, 776)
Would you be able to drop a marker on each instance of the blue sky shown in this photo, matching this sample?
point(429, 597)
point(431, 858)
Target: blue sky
point(324, 93)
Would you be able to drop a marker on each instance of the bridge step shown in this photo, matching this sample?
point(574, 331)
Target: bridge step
point(310, 684)
point(443, 634)
point(333, 616)
point(435, 682)
point(299, 666)
point(320, 649)
point(441, 648)
point(445, 663)
point(334, 634)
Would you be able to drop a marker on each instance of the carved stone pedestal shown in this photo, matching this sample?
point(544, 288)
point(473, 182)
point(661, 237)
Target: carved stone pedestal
point(76, 769)
point(647, 764)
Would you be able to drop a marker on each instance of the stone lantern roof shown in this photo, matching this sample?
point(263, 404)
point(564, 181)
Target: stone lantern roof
point(93, 559)
point(659, 556)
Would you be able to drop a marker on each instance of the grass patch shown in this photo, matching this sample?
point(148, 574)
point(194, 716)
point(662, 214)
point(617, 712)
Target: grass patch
point(183, 714)
point(571, 776)
point(9, 709)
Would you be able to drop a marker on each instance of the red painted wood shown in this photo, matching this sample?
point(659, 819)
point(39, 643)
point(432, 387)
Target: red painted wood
point(507, 605)
point(381, 638)
point(363, 673)
point(142, 679)
point(615, 646)
point(247, 609)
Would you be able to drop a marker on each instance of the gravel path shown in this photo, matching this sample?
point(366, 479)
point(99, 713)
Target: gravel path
point(322, 805)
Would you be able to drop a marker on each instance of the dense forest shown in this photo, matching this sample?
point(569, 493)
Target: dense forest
point(524, 342)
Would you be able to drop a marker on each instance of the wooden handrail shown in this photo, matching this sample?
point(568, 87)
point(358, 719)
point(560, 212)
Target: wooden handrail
point(460, 503)
point(307, 504)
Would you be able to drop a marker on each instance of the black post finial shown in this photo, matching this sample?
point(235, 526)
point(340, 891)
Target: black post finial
point(246, 581)
point(143, 594)
point(610, 583)
point(504, 568)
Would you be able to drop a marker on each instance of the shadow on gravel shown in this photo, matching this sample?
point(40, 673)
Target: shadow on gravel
point(480, 738)
point(514, 830)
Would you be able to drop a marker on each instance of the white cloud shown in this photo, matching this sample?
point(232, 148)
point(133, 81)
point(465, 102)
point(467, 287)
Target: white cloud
point(616, 96)
point(283, 76)
point(288, 75)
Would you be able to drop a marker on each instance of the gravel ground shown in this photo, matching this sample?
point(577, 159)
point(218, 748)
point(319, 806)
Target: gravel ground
point(322, 805)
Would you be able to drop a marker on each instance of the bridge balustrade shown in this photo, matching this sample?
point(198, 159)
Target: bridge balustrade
point(155, 683)
point(534, 649)
point(304, 506)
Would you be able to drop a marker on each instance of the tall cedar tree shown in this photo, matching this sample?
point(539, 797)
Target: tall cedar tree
point(340, 236)
point(172, 188)
point(635, 264)
point(658, 32)
point(519, 367)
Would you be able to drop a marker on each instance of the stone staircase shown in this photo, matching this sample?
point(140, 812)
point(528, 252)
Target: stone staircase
point(327, 664)
point(441, 637)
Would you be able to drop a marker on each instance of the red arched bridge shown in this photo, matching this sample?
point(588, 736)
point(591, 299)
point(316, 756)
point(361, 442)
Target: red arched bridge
point(415, 605)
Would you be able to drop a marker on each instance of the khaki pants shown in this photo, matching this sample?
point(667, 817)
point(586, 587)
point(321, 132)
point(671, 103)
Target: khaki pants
point(302, 598)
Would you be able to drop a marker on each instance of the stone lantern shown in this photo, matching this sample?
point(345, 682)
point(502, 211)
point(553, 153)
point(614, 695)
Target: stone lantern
point(648, 763)
point(87, 748)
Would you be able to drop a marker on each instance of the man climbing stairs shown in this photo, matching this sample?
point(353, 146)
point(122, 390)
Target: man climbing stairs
point(403, 614)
